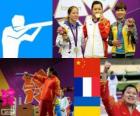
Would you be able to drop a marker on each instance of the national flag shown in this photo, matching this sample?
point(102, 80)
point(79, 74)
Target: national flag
point(87, 86)
point(87, 67)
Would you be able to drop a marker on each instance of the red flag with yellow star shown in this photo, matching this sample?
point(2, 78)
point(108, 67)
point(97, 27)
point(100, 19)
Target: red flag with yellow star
point(86, 67)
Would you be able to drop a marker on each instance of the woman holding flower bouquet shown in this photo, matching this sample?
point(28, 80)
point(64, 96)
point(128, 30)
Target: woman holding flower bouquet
point(70, 39)
point(123, 34)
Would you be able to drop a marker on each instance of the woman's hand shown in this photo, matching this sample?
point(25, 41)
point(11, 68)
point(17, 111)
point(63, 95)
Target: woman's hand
point(65, 37)
point(130, 22)
point(116, 43)
point(107, 66)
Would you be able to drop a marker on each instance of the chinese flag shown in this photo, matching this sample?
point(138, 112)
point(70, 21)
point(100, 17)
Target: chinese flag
point(86, 67)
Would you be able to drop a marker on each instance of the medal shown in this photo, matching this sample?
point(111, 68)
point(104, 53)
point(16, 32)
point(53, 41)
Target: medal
point(75, 49)
point(119, 47)
point(75, 36)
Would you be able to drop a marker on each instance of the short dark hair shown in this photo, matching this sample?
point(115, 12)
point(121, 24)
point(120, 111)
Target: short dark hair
point(120, 5)
point(70, 9)
point(130, 85)
point(51, 69)
point(96, 2)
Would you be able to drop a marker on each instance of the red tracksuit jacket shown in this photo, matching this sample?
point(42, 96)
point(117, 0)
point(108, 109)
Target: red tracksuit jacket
point(115, 108)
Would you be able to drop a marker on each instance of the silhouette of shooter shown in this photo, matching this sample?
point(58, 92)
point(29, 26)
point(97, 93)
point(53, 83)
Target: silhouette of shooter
point(15, 34)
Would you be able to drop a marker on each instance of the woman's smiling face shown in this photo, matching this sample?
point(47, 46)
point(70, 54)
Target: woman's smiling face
point(130, 96)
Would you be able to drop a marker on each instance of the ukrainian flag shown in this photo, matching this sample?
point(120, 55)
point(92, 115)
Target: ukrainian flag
point(87, 106)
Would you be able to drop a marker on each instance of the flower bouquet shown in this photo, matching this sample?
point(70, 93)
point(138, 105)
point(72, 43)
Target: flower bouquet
point(62, 31)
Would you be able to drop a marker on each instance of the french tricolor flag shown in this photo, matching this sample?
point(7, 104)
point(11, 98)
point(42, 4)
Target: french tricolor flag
point(87, 87)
